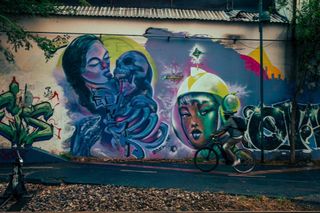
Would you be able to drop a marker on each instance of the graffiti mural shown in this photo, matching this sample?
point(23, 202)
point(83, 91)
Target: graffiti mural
point(152, 97)
point(277, 126)
point(120, 113)
point(199, 102)
point(21, 122)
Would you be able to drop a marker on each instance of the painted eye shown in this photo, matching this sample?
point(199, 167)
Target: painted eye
point(93, 62)
point(185, 114)
point(205, 111)
point(128, 61)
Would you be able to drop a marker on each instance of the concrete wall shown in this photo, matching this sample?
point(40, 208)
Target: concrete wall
point(163, 94)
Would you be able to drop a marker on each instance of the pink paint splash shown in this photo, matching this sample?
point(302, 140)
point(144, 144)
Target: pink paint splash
point(254, 66)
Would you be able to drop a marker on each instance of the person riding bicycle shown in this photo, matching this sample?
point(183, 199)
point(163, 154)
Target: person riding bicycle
point(231, 134)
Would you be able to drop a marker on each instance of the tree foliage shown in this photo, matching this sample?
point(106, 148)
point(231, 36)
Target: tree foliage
point(305, 31)
point(308, 45)
point(18, 38)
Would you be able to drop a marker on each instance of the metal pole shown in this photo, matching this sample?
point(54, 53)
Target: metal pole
point(261, 81)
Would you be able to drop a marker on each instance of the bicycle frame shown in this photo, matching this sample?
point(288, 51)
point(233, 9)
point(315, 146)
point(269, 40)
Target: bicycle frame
point(221, 149)
point(207, 158)
point(219, 146)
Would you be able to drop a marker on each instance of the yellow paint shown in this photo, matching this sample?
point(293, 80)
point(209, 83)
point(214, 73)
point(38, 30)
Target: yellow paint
point(193, 79)
point(203, 81)
point(271, 69)
point(59, 63)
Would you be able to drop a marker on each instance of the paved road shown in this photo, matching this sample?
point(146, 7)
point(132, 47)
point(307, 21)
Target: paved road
point(299, 183)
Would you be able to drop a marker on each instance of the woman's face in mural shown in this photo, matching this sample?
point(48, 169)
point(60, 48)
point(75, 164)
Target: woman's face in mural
point(97, 67)
point(199, 117)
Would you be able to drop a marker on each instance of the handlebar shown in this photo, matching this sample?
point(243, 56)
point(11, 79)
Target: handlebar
point(215, 141)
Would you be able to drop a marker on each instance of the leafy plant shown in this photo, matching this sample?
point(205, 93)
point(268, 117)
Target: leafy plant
point(307, 36)
point(305, 27)
point(17, 37)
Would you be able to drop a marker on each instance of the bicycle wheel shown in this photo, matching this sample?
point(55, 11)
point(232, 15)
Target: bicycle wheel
point(206, 159)
point(247, 162)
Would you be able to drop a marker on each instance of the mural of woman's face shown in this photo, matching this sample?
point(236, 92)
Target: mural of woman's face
point(199, 118)
point(97, 67)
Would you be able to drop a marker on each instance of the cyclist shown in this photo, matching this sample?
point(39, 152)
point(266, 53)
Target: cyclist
point(231, 134)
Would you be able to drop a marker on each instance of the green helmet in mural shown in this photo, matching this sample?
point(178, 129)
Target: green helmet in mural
point(230, 104)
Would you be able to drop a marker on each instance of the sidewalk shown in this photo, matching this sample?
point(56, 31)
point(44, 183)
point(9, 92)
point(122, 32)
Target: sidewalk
point(299, 183)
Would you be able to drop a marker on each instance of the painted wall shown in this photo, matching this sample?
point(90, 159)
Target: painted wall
point(155, 96)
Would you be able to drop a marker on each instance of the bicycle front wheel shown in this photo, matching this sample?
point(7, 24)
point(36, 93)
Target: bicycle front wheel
point(206, 159)
point(247, 162)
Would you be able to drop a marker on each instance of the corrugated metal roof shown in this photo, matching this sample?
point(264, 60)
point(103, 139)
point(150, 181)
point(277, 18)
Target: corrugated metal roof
point(167, 13)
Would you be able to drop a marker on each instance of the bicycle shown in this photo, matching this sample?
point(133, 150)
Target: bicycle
point(207, 159)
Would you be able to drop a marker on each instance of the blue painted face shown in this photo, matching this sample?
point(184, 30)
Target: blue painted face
point(97, 68)
point(133, 72)
point(98, 78)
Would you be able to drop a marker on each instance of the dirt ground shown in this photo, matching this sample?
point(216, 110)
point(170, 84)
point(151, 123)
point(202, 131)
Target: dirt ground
point(118, 198)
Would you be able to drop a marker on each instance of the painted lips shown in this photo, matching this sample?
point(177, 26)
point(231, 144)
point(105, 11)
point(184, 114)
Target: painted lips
point(196, 134)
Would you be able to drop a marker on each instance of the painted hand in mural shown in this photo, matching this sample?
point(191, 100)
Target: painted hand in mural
point(88, 133)
point(25, 125)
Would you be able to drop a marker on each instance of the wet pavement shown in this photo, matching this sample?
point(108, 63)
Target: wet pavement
point(301, 183)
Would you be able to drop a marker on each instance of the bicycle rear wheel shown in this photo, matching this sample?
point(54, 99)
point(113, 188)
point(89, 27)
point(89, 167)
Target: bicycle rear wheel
point(247, 161)
point(206, 159)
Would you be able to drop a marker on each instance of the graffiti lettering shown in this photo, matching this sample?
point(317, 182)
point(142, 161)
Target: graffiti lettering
point(27, 125)
point(277, 126)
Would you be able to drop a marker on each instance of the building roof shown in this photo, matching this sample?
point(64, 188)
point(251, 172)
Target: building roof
point(246, 5)
point(167, 13)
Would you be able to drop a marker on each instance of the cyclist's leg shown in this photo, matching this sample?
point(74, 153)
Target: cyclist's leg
point(227, 147)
